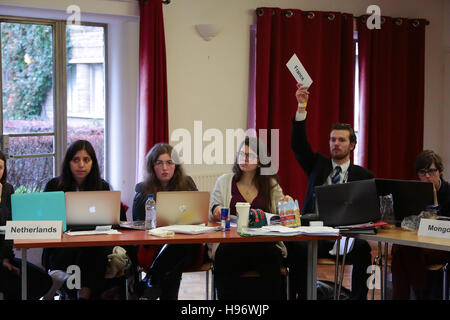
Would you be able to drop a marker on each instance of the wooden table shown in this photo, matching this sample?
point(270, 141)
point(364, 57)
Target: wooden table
point(401, 237)
point(136, 237)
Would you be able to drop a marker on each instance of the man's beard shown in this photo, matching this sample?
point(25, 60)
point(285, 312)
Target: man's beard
point(339, 156)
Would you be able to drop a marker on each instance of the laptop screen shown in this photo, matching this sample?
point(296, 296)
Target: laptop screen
point(39, 206)
point(181, 207)
point(348, 203)
point(410, 196)
point(92, 208)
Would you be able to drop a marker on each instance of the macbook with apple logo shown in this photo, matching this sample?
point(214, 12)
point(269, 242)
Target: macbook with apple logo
point(88, 210)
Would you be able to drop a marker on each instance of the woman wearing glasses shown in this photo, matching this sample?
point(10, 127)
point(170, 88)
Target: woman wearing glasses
point(247, 183)
point(409, 264)
point(164, 173)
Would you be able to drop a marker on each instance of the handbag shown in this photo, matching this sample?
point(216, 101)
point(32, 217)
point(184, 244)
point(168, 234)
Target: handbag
point(257, 218)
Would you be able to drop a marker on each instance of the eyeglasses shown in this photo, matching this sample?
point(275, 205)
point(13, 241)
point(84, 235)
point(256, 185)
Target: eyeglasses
point(250, 156)
point(431, 172)
point(161, 163)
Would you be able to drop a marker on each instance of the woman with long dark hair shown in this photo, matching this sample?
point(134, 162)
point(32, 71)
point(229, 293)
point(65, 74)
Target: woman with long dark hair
point(164, 173)
point(80, 172)
point(249, 184)
point(39, 282)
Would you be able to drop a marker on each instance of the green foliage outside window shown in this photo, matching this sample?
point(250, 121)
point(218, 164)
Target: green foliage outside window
point(27, 65)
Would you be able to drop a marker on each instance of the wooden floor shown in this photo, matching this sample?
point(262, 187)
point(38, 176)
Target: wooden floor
point(193, 284)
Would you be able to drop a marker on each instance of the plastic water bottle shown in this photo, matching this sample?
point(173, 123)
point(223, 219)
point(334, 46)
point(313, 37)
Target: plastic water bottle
point(150, 213)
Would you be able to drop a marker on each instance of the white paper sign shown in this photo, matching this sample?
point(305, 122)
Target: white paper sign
point(298, 71)
point(434, 228)
point(26, 230)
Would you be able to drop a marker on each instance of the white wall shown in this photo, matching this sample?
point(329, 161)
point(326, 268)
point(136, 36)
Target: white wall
point(208, 81)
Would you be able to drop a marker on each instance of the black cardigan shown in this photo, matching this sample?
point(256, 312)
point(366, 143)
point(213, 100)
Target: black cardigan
point(6, 251)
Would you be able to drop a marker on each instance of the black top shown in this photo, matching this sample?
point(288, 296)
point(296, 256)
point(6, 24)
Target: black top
point(443, 196)
point(53, 185)
point(317, 166)
point(141, 196)
point(6, 251)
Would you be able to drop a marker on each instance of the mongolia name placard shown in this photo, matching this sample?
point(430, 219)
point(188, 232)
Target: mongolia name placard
point(25, 230)
point(434, 228)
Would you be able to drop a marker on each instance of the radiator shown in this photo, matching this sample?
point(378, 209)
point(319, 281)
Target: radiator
point(206, 182)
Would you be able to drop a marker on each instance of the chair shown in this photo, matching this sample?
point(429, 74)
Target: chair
point(337, 281)
point(444, 268)
point(284, 271)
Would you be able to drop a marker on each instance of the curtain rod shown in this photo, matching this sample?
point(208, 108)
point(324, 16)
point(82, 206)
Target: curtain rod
point(330, 16)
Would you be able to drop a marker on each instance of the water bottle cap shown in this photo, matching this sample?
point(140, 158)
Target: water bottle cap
point(150, 196)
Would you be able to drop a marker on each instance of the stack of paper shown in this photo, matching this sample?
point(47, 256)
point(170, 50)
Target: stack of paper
point(189, 229)
point(279, 230)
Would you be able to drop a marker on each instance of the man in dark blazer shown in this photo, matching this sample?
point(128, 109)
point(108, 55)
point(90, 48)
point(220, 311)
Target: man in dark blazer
point(322, 170)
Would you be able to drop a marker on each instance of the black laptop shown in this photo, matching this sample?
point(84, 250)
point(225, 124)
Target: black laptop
point(410, 196)
point(348, 203)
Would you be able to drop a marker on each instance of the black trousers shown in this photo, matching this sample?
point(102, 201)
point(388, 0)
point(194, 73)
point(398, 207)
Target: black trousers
point(168, 267)
point(360, 257)
point(233, 259)
point(39, 282)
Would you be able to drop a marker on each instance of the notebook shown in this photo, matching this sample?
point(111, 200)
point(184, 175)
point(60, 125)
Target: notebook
point(181, 207)
point(87, 210)
point(348, 203)
point(410, 196)
point(39, 206)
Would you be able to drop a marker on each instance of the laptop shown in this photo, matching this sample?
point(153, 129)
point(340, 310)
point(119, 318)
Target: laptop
point(89, 209)
point(348, 203)
point(410, 196)
point(181, 207)
point(39, 206)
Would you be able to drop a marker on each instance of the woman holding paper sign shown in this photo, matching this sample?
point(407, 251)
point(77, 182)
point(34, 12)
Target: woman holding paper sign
point(164, 173)
point(247, 184)
point(409, 264)
point(10, 279)
point(80, 172)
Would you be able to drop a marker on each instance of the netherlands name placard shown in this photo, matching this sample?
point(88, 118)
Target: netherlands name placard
point(25, 230)
point(434, 228)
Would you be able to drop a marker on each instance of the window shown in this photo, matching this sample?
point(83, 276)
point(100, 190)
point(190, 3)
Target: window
point(42, 112)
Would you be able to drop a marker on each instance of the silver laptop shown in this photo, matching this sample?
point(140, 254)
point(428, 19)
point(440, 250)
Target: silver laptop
point(181, 207)
point(89, 209)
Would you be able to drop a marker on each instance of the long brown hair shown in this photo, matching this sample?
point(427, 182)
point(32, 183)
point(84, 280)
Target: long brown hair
point(179, 181)
point(264, 183)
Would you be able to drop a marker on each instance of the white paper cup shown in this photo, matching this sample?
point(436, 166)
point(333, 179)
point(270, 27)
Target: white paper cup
point(243, 212)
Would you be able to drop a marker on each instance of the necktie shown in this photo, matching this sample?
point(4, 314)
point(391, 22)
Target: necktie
point(337, 175)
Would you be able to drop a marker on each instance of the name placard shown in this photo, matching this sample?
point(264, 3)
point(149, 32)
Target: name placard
point(26, 230)
point(434, 228)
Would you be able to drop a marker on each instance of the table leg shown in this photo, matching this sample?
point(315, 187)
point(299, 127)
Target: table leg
point(381, 259)
point(386, 252)
point(312, 270)
point(24, 273)
point(342, 267)
point(336, 269)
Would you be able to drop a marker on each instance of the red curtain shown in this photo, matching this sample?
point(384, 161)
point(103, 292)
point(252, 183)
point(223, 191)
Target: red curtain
point(153, 124)
point(391, 66)
point(323, 41)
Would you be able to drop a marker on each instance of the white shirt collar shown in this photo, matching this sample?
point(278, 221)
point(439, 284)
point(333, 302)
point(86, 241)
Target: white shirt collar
point(344, 166)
